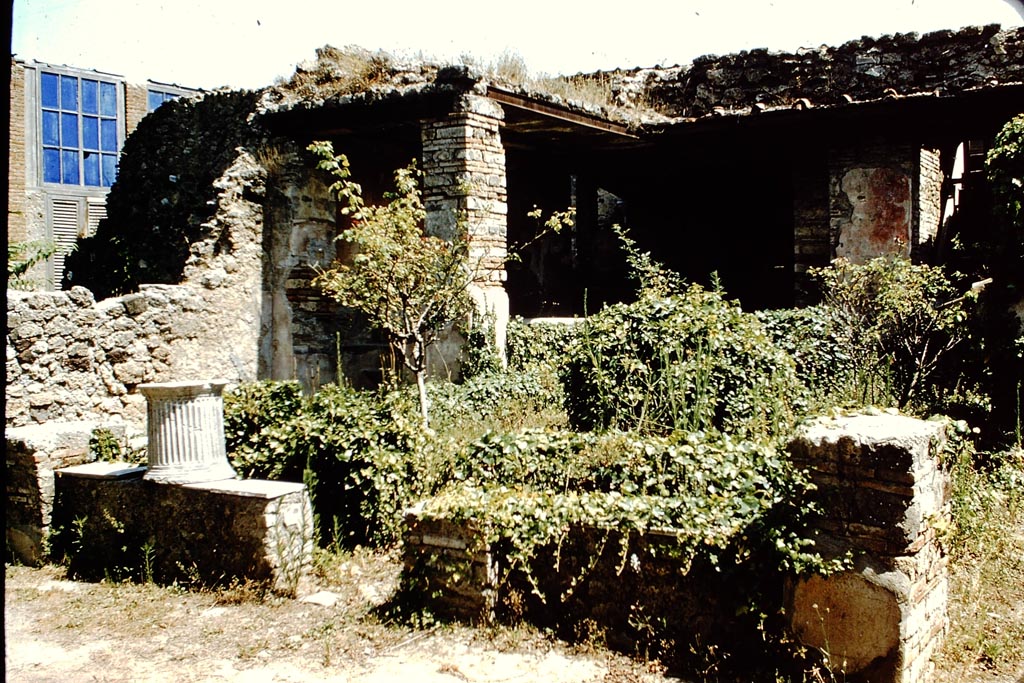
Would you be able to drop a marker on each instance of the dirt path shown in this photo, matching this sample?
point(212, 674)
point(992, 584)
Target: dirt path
point(63, 631)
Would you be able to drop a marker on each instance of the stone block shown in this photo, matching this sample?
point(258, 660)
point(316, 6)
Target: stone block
point(33, 453)
point(875, 473)
point(881, 486)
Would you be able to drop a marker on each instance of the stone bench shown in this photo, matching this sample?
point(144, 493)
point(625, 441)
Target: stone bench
point(109, 520)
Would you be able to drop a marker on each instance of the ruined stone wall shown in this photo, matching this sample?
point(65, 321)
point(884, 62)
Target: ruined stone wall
point(71, 358)
point(32, 454)
point(883, 493)
point(942, 62)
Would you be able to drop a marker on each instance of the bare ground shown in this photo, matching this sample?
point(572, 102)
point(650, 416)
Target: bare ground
point(65, 631)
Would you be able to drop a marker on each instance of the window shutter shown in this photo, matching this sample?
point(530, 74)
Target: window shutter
point(96, 210)
point(64, 220)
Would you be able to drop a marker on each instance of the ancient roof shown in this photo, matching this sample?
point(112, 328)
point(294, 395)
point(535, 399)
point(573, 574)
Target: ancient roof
point(938, 65)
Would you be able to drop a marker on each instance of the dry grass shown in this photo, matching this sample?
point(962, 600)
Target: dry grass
point(986, 609)
point(510, 68)
point(338, 71)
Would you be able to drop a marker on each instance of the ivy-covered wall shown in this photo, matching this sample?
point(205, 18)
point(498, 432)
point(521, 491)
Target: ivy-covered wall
point(166, 195)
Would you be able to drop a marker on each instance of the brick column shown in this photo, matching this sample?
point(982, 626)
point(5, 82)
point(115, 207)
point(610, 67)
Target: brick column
point(465, 188)
point(881, 489)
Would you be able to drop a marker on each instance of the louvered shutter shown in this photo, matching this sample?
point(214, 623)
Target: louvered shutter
point(96, 211)
point(64, 222)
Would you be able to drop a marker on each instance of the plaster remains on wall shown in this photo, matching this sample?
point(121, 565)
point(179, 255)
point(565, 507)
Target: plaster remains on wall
point(880, 220)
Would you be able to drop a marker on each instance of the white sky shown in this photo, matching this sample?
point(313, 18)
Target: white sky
point(248, 43)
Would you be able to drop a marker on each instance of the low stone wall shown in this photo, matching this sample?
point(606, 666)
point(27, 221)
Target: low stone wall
point(32, 454)
point(636, 594)
point(883, 492)
point(108, 521)
point(71, 358)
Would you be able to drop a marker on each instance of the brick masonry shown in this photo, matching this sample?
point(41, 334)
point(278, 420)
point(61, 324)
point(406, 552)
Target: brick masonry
point(17, 229)
point(883, 492)
point(465, 185)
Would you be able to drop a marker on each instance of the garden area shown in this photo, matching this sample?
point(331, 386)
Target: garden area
point(654, 432)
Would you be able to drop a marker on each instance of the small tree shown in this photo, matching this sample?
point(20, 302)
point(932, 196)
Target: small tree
point(409, 284)
point(897, 322)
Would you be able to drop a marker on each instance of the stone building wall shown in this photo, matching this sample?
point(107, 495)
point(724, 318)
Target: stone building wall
point(136, 105)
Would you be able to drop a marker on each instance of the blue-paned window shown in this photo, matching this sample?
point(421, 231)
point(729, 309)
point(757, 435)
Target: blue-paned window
point(79, 123)
point(154, 98)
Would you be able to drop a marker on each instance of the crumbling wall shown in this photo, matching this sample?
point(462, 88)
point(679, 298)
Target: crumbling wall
point(71, 358)
point(942, 63)
point(168, 194)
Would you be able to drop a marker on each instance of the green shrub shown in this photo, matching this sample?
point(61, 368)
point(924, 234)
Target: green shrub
point(722, 499)
point(809, 335)
point(899, 324)
point(257, 422)
point(365, 462)
point(537, 344)
point(688, 361)
point(500, 399)
point(362, 454)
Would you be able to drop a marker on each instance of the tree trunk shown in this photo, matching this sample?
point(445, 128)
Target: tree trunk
point(421, 384)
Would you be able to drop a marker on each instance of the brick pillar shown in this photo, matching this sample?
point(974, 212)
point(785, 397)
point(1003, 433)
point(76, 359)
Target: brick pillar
point(464, 185)
point(881, 489)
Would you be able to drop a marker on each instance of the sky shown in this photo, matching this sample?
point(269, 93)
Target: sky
point(251, 43)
